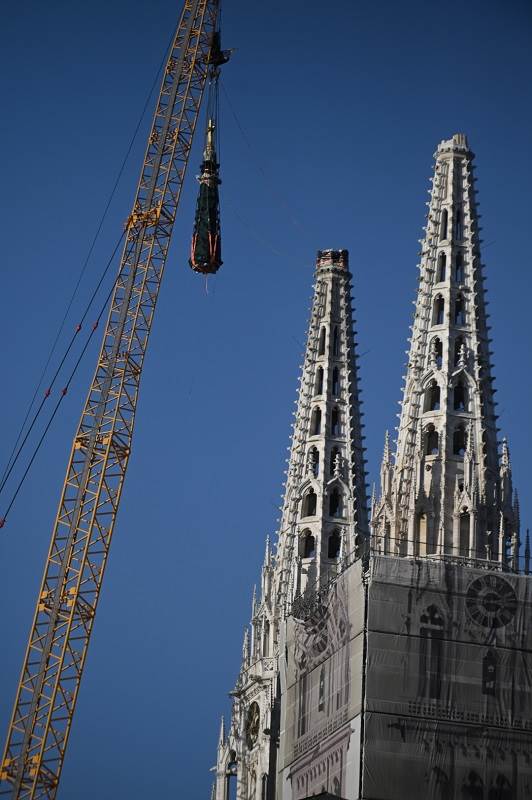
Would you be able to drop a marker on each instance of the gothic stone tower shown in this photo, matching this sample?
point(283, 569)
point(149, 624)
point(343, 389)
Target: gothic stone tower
point(324, 526)
point(397, 666)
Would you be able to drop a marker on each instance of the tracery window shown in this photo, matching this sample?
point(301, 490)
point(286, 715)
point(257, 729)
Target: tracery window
point(444, 223)
point(431, 653)
point(321, 346)
point(309, 503)
point(442, 263)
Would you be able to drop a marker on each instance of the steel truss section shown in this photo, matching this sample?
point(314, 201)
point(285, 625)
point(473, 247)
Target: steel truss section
point(66, 606)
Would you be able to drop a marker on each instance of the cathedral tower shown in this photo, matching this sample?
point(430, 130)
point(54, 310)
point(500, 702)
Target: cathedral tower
point(449, 493)
point(398, 665)
point(323, 527)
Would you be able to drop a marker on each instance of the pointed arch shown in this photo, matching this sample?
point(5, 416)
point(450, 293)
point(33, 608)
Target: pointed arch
point(444, 221)
point(459, 224)
point(464, 534)
point(472, 787)
point(315, 423)
point(336, 342)
point(432, 446)
point(336, 503)
point(438, 312)
point(459, 440)
point(266, 639)
point(318, 383)
point(442, 267)
point(309, 504)
point(321, 345)
point(460, 396)
point(459, 268)
point(459, 310)
point(334, 542)
point(307, 544)
point(335, 421)
point(432, 397)
point(335, 386)
point(431, 652)
point(501, 789)
point(489, 673)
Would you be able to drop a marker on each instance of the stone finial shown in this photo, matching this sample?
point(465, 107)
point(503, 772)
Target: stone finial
point(221, 737)
point(505, 454)
point(462, 356)
point(386, 458)
point(337, 465)
point(245, 648)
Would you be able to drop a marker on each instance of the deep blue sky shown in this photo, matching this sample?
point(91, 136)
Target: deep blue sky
point(342, 105)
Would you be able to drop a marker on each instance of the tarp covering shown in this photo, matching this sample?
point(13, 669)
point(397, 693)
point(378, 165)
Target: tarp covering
point(449, 683)
point(324, 652)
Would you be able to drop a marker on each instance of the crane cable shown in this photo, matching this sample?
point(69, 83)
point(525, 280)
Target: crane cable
point(17, 448)
point(64, 390)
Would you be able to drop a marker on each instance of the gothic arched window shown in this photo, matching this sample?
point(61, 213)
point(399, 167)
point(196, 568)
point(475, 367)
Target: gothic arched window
point(335, 503)
point(315, 425)
point(333, 545)
point(459, 311)
point(335, 422)
point(439, 311)
point(442, 263)
point(432, 397)
point(501, 789)
point(459, 268)
point(460, 397)
point(336, 342)
point(266, 639)
point(472, 787)
point(444, 223)
point(458, 225)
point(321, 346)
point(459, 441)
point(335, 382)
point(307, 545)
point(464, 534)
point(318, 386)
point(489, 673)
point(431, 441)
point(309, 503)
point(431, 653)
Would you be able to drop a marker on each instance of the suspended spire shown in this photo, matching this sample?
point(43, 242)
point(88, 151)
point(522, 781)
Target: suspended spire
point(448, 423)
point(206, 246)
point(325, 507)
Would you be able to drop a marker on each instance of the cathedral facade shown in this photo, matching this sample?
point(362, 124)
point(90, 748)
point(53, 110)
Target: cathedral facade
point(389, 654)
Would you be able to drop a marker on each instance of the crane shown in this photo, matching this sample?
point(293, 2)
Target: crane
point(81, 537)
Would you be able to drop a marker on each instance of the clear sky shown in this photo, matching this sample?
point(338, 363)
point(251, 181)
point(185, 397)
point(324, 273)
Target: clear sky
point(342, 105)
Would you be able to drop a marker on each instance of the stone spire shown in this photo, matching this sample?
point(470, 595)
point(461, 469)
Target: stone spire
point(324, 513)
point(449, 489)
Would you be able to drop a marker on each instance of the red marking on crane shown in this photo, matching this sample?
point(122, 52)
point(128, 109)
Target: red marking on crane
point(78, 328)
point(2, 522)
point(64, 391)
point(48, 392)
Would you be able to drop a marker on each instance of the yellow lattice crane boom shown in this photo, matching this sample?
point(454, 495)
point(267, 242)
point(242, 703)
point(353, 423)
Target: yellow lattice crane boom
point(83, 529)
